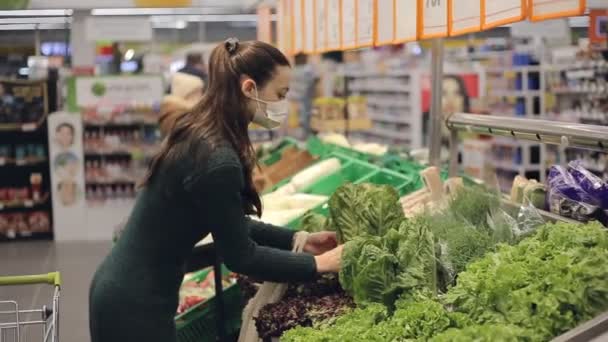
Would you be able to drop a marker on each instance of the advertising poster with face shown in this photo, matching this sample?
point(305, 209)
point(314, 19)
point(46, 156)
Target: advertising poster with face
point(67, 175)
point(460, 94)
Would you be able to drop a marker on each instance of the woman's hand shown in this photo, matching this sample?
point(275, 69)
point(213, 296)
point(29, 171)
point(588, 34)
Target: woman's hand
point(330, 261)
point(319, 243)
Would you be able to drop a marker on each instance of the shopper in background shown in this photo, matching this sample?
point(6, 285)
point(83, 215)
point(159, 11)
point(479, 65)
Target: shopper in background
point(303, 91)
point(117, 58)
point(195, 66)
point(186, 91)
point(200, 182)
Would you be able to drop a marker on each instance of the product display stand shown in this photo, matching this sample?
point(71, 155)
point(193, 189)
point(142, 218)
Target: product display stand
point(25, 191)
point(589, 137)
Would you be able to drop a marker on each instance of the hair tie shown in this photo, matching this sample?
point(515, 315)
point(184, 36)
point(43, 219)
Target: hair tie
point(231, 45)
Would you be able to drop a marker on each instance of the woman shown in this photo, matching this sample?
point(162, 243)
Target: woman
point(200, 183)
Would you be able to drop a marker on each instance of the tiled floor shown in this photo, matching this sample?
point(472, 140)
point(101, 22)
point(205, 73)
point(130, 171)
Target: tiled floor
point(76, 261)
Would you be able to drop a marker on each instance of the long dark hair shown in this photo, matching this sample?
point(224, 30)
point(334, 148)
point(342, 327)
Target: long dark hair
point(222, 115)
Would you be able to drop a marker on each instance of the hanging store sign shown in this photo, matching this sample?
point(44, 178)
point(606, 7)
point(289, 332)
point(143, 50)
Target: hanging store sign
point(406, 21)
point(297, 26)
point(111, 91)
point(334, 25)
point(551, 9)
point(384, 22)
point(464, 16)
point(125, 29)
point(349, 24)
point(432, 18)
point(497, 13)
point(321, 25)
point(365, 23)
point(264, 29)
point(309, 26)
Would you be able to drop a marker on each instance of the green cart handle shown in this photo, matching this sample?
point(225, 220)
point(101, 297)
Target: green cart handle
point(53, 278)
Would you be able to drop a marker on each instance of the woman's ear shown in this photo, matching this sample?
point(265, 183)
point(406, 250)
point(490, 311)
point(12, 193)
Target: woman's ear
point(248, 87)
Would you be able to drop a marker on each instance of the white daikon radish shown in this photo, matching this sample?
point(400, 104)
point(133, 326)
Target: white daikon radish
point(313, 173)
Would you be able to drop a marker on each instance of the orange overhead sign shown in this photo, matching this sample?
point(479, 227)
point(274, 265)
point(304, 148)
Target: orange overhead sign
point(464, 16)
point(501, 12)
point(551, 9)
point(433, 18)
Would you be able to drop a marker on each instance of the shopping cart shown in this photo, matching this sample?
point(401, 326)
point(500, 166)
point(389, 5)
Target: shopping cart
point(48, 318)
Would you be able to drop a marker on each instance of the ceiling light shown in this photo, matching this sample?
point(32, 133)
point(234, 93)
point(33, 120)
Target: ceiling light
point(129, 54)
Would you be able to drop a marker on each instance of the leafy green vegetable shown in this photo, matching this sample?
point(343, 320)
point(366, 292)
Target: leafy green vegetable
point(547, 284)
point(349, 327)
point(313, 222)
point(357, 210)
point(379, 269)
point(474, 204)
point(484, 333)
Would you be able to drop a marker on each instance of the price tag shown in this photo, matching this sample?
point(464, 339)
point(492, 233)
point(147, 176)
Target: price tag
point(349, 40)
point(1, 206)
point(29, 127)
point(365, 22)
point(544, 10)
point(2, 161)
point(298, 26)
point(503, 12)
point(384, 22)
point(28, 203)
point(406, 20)
point(334, 19)
point(464, 16)
point(309, 26)
point(321, 25)
point(20, 162)
point(433, 21)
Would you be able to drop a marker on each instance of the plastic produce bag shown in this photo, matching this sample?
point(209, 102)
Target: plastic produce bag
point(268, 293)
point(566, 197)
point(596, 188)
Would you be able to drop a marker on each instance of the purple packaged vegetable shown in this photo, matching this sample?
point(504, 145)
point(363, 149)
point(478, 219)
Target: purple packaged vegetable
point(567, 198)
point(590, 183)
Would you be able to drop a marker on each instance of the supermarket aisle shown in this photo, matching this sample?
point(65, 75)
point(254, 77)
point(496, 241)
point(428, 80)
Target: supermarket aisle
point(76, 260)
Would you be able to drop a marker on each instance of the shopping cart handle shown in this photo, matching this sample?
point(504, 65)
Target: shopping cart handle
point(53, 278)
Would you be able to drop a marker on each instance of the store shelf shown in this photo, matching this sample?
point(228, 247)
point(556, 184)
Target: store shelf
point(23, 127)
point(510, 166)
point(389, 118)
point(375, 74)
point(514, 68)
point(387, 133)
point(121, 123)
point(25, 204)
point(25, 162)
point(380, 90)
point(515, 93)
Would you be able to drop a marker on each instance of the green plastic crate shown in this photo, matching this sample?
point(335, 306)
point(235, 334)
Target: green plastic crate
point(275, 155)
point(317, 147)
point(350, 172)
point(403, 184)
point(199, 323)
